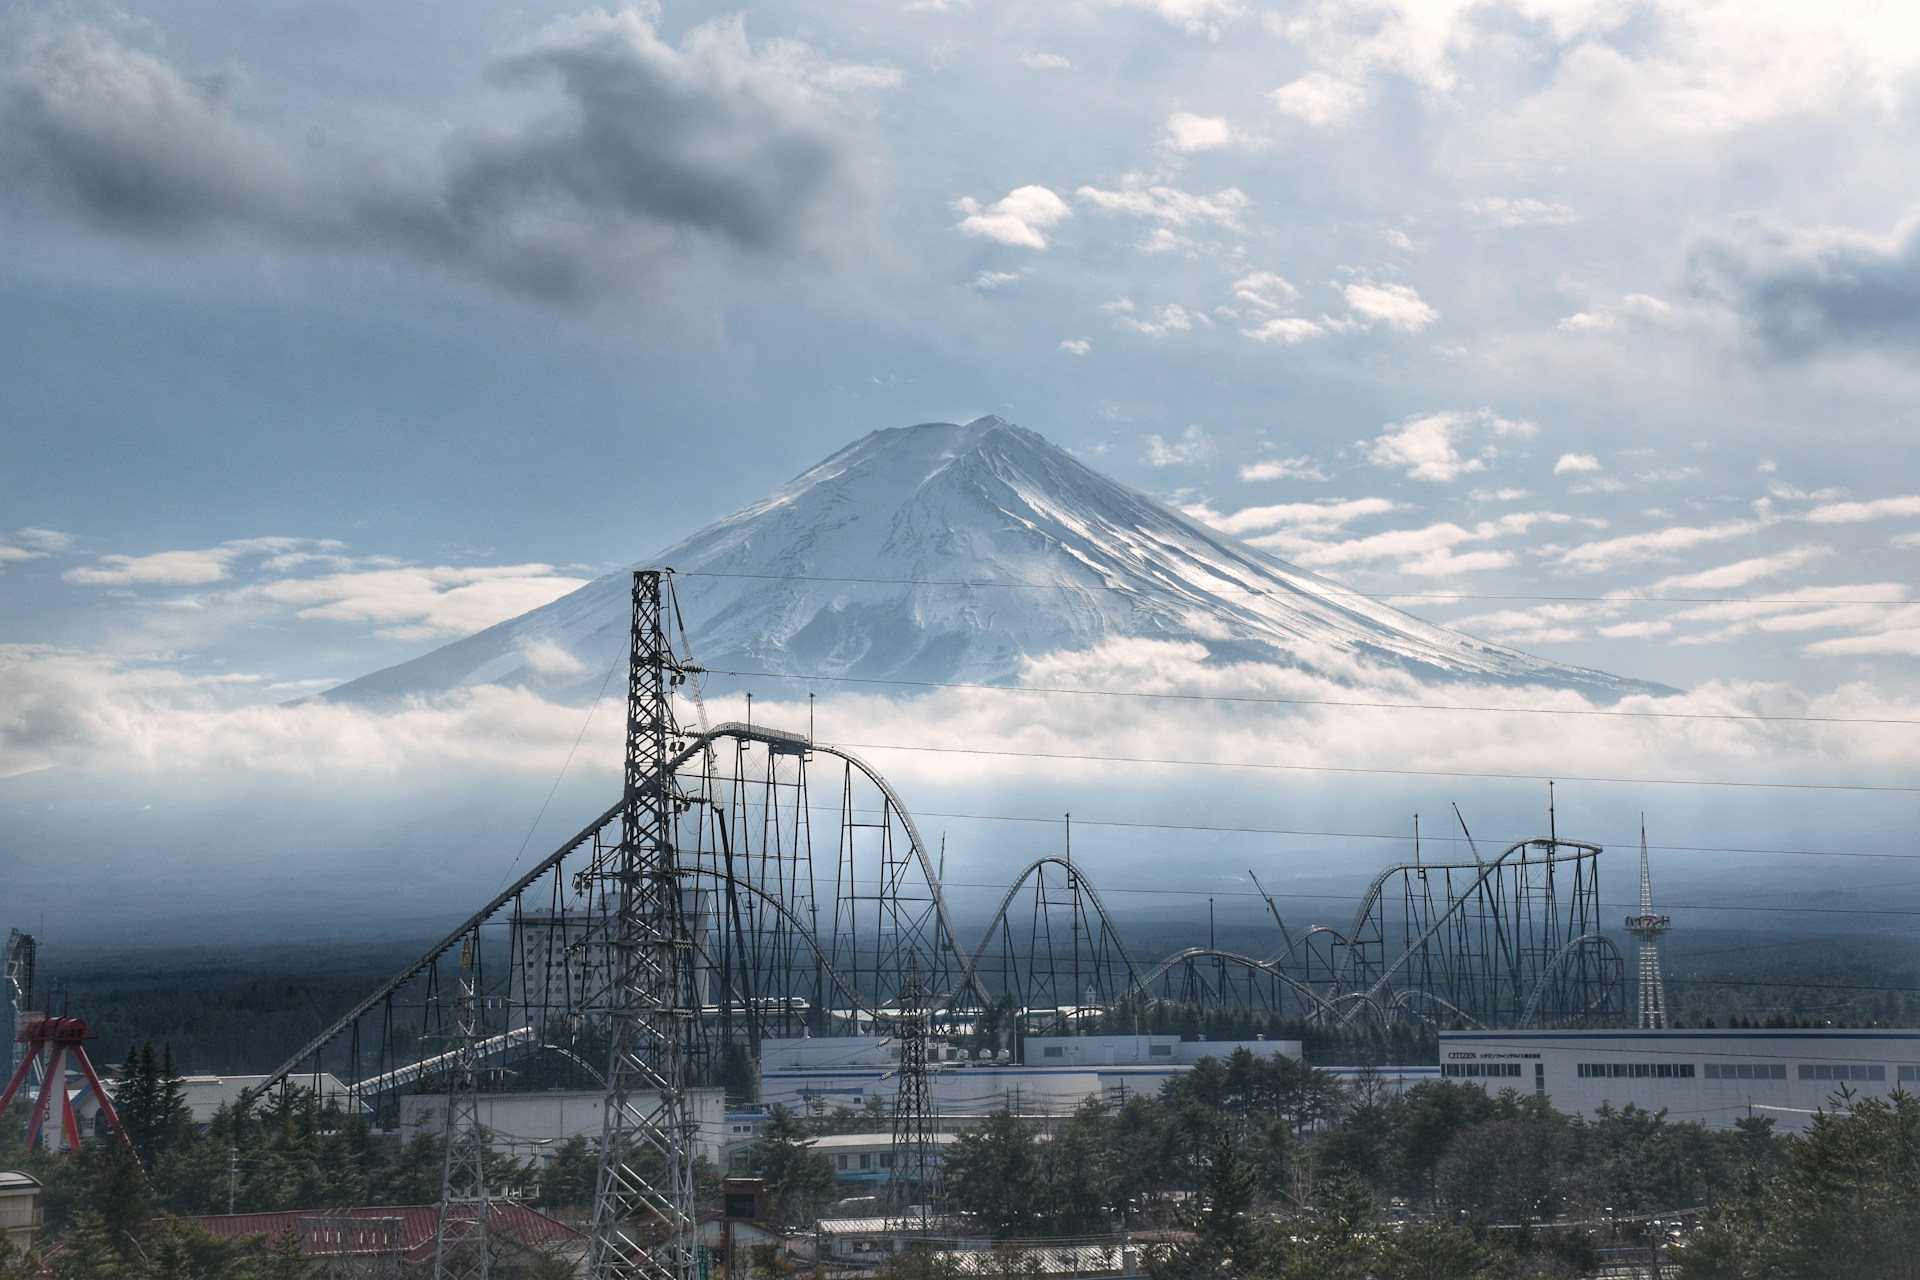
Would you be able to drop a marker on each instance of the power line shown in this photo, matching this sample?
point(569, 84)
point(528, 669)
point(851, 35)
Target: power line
point(1359, 769)
point(1110, 891)
point(1398, 836)
point(1261, 700)
point(1325, 589)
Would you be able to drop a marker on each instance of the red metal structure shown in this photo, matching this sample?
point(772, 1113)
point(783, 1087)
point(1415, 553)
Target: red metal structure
point(64, 1040)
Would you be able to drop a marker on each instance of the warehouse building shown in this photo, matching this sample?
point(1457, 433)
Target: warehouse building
point(1715, 1077)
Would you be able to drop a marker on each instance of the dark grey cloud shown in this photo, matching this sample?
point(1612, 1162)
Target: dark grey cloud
point(128, 142)
point(1804, 290)
point(641, 157)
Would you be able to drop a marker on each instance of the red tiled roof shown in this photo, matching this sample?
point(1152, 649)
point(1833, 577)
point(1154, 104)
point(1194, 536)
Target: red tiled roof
point(372, 1230)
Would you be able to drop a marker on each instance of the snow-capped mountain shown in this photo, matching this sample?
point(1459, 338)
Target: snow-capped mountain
point(946, 552)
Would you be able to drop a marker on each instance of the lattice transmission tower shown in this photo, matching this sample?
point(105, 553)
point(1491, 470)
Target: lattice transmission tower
point(460, 1239)
point(913, 1186)
point(1648, 927)
point(643, 1204)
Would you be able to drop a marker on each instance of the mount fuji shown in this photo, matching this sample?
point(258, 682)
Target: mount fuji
point(945, 552)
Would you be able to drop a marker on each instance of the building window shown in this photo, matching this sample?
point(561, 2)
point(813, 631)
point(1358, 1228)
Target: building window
point(1910, 1075)
point(1747, 1071)
point(866, 1161)
point(1637, 1070)
point(1844, 1071)
point(1540, 1078)
point(1054, 1051)
point(841, 1163)
point(1480, 1070)
point(1159, 1051)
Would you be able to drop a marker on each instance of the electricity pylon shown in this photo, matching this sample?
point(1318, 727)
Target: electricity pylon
point(460, 1242)
point(914, 1183)
point(643, 1202)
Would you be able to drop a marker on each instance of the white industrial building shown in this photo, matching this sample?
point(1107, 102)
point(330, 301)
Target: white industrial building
point(1711, 1076)
point(813, 1075)
point(205, 1095)
point(533, 1125)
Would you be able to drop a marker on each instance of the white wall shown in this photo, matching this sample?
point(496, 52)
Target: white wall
point(1714, 1077)
point(533, 1125)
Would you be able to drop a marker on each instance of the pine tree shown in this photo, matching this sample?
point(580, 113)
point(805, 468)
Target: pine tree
point(992, 1173)
point(799, 1179)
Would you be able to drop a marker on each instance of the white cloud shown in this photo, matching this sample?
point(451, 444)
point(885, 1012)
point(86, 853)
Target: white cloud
point(1576, 463)
point(186, 567)
point(1395, 305)
point(1319, 99)
point(1642, 630)
point(1195, 17)
point(1430, 546)
point(1308, 517)
point(1019, 219)
point(1445, 564)
point(88, 711)
point(1286, 330)
point(1187, 132)
point(1167, 240)
point(33, 544)
point(1860, 512)
point(1897, 634)
point(1618, 315)
point(1267, 290)
point(1281, 469)
point(1425, 447)
point(547, 657)
point(994, 279)
point(418, 602)
point(1743, 572)
point(1499, 211)
point(1191, 447)
point(1172, 318)
point(1145, 199)
point(1048, 62)
point(1659, 544)
point(1076, 346)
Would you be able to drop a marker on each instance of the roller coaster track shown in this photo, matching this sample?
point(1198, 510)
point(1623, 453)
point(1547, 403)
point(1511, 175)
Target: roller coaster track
point(786, 933)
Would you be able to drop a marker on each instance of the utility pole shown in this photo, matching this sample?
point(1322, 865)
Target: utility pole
point(643, 1203)
point(233, 1175)
point(460, 1241)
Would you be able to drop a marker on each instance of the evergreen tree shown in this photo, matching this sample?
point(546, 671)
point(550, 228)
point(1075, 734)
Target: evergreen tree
point(799, 1179)
point(1848, 1209)
point(1080, 1171)
point(567, 1179)
point(92, 1251)
point(1437, 1251)
point(992, 1173)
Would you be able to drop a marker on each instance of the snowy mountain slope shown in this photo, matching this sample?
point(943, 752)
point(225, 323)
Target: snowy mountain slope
point(948, 552)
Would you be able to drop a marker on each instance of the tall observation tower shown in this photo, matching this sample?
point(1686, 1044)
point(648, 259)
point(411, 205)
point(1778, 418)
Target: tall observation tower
point(1648, 927)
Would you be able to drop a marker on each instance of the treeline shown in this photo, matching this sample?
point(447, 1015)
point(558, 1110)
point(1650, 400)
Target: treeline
point(1275, 1169)
point(226, 1011)
point(112, 1206)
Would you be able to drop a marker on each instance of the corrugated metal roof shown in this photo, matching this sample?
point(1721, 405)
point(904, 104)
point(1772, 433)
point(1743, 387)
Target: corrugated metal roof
point(367, 1230)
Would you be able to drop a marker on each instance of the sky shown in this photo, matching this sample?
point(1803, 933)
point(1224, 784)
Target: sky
point(331, 332)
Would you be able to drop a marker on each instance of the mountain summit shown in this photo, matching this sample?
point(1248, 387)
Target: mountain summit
point(946, 552)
